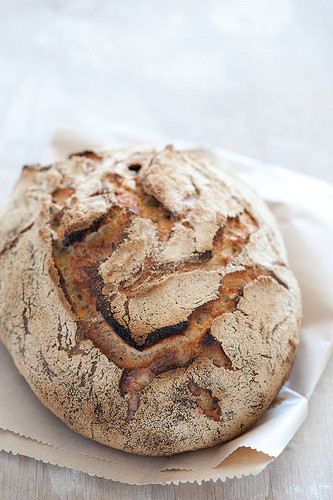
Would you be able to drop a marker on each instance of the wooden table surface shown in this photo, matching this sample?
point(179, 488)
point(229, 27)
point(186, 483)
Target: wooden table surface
point(252, 76)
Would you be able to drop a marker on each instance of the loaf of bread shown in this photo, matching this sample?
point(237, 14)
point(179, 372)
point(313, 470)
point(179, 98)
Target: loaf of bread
point(146, 297)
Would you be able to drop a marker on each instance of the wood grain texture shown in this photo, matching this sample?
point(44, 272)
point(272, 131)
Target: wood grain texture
point(303, 471)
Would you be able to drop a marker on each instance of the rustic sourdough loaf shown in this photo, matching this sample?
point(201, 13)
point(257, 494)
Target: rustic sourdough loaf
point(146, 297)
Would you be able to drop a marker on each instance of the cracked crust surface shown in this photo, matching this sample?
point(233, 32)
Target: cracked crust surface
point(149, 302)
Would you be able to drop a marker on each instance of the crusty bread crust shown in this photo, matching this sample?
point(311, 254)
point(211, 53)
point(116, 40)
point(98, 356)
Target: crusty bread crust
point(146, 297)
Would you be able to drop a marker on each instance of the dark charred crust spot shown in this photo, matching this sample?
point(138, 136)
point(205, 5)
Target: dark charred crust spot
point(167, 331)
point(208, 340)
point(79, 235)
point(119, 329)
point(205, 255)
point(136, 167)
point(92, 155)
point(73, 237)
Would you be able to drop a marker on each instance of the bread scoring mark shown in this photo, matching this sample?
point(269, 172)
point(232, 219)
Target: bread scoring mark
point(92, 155)
point(25, 321)
point(146, 206)
point(231, 238)
point(133, 405)
point(94, 247)
point(175, 355)
point(162, 333)
point(134, 380)
point(144, 279)
point(123, 332)
point(62, 284)
point(78, 257)
point(205, 401)
point(71, 238)
point(10, 245)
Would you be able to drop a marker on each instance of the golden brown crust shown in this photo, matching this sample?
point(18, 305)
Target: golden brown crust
point(151, 306)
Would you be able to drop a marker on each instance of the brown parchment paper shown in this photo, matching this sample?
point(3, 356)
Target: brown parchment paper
point(303, 207)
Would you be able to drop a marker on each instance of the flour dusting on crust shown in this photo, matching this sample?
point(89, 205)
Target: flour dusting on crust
point(148, 297)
